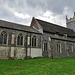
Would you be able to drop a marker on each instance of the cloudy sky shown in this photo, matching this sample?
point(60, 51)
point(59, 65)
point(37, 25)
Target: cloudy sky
point(22, 11)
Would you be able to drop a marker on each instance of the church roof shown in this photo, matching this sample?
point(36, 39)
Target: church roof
point(55, 29)
point(11, 25)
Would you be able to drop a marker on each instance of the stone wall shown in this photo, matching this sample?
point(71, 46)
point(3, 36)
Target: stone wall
point(4, 52)
point(12, 52)
point(36, 52)
point(20, 53)
point(15, 51)
point(66, 49)
point(71, 25)
point(67, 46)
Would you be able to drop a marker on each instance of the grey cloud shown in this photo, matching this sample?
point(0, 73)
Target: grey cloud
point(5, 12)
point(32, 8)
point(16, 5)
point(56, 6)
point(27, 5)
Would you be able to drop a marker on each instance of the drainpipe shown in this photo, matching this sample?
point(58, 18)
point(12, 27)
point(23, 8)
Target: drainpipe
point(30, 45)
point(26, 48)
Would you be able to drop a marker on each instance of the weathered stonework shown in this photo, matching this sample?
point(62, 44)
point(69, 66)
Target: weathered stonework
point(13, 51)
point(4, 52)
point(51, 41)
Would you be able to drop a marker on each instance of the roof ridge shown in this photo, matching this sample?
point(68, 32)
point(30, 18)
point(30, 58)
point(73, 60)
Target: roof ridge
point(55, 29)
point(17, 26)
point(14, 23)
point(54, 24)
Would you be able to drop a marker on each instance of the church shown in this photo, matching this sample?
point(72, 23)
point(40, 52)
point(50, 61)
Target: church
point(40, 39)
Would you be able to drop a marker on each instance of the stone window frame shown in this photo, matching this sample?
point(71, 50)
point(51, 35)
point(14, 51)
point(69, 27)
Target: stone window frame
point(34, 36)
point(6, 39)
point(59, 48)
point(45, 44)
point(20, 41)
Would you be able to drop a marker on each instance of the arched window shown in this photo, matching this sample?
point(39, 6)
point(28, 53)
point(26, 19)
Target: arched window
point(20, 39)
point(45, 46)
point(59, 47)
point(34, 41)
point(3, 38)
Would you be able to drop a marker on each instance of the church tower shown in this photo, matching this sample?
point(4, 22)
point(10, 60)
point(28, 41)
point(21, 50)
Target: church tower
point(71, 22)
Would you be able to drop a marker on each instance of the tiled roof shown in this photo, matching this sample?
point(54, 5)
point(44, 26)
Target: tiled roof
point(53, 28)
point(11, 25)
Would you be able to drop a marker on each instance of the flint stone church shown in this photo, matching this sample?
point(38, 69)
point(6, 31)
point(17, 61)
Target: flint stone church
point(40, 39)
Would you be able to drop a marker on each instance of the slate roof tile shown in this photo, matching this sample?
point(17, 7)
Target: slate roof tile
point(11, 25)
point(53, 28)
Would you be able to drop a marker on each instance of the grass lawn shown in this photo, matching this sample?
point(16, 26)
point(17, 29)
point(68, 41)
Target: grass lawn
point(40, 66)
